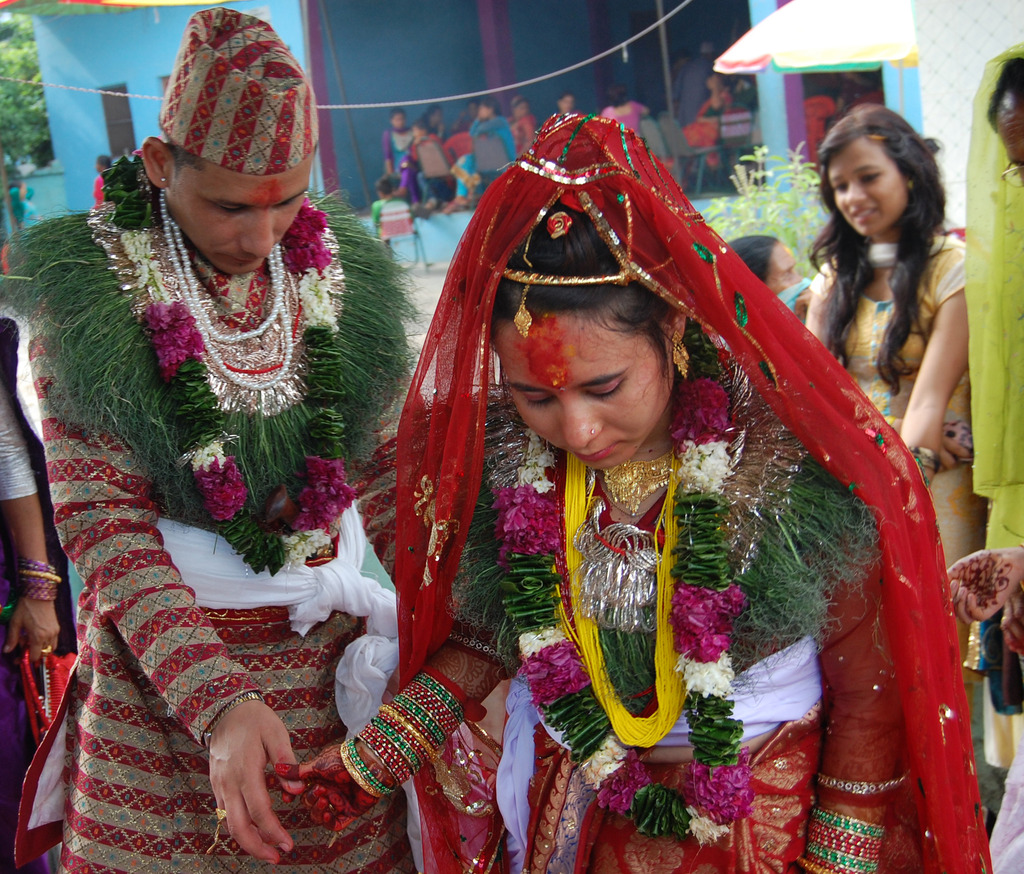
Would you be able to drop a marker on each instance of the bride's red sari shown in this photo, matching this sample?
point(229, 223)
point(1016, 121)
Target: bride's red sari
point(665, 244)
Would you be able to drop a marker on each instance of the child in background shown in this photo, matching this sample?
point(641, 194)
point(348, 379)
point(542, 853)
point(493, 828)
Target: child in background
point(385, 191)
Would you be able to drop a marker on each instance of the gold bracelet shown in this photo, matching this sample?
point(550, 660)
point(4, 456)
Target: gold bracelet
point(812, 867)
point(347, 750)
point(40, 575)
point(429, 749)
point(926, 457)
point(251, 695)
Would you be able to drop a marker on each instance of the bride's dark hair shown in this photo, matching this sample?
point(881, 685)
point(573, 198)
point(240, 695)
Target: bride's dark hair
point(631, 308)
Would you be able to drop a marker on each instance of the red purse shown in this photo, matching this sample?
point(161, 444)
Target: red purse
point(44, 686)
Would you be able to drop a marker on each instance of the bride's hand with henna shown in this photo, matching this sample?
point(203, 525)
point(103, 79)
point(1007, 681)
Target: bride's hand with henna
point(333, 796)
point(983, 582)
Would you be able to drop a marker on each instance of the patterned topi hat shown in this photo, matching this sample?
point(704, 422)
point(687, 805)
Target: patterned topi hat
point(237, 97)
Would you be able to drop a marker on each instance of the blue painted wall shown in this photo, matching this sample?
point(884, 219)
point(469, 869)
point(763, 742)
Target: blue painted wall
point(136, 48)
point(412, 50)
point(541, 48)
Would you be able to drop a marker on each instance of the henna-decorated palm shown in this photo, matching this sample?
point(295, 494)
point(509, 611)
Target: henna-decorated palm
point(983, 582)
point(332, 796)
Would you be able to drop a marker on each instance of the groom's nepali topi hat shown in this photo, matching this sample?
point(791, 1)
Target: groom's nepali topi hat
point(237, 97)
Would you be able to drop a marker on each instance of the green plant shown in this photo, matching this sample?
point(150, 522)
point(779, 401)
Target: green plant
point(24, 128)
point(776, 196)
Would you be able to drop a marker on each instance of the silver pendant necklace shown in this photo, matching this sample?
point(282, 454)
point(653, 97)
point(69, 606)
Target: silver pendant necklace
point(618, 575)
point(244, 359)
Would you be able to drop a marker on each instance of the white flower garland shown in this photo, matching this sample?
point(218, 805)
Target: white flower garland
point(605, 762)
point(707, 678)
point(538, 460)
point(532, 642)
point(302, 544)
point(139, 248)
point(704, 468)
point(705, 829)
point(204, 456)
point(317, 306)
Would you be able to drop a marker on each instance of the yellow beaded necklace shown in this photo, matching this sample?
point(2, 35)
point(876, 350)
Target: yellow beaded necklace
point(640, 731)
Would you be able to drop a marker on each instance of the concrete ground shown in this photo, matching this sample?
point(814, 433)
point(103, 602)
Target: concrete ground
point(427, 282)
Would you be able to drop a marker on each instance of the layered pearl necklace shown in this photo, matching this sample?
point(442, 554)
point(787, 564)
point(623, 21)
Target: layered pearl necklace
point(216, 338)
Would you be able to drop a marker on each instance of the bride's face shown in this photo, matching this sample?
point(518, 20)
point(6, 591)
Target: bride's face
point(603, 395)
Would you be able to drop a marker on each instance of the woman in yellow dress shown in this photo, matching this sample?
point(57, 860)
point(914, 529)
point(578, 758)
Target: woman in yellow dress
point(889, 304)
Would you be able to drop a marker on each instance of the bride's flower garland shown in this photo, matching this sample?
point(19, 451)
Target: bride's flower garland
point(716, 786)
point(179, 348)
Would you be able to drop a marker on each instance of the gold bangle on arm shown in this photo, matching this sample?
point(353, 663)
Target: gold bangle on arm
point(417, 736)
point(251, 695)
point(840, 844)
point(363, 775)
point(927, 460)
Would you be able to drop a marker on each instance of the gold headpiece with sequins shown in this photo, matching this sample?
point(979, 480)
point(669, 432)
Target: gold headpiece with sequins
point(558, 224)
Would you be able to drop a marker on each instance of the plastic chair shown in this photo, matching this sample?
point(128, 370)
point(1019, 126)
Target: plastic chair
point(491, 155)
point(433, 161)
point(737, 132)
point(685, 155)
point(396, 223)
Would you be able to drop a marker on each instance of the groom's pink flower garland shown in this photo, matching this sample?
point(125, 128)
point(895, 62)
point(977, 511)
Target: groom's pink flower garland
point(716, 787)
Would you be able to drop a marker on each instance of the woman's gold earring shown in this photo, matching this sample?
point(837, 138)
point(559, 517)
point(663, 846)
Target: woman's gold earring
point(680, 356)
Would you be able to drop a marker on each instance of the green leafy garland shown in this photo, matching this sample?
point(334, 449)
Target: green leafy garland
point(198, 412)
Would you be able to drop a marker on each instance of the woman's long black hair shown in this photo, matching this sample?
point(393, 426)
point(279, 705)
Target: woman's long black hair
point(846, 251)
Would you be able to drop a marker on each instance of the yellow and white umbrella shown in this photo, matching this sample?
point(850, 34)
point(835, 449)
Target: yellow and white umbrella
point(817, 36)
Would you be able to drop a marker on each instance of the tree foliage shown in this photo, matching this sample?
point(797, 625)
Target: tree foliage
point(777, 197)
point(24, 128)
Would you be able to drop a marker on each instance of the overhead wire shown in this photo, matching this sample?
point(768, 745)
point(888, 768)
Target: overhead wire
point(419, 101)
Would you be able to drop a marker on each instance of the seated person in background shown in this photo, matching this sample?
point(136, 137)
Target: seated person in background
point(466, 118)
point(435, 120)
point(770, 260)
point(489, 123)
point(385, 189)
point(436, 189)
point(706, 129)
point(744, 92)
point(623, 110)
point(566, 103)
point(523, 124)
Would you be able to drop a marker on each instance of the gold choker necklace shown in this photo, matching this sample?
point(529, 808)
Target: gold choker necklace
point(631, 483)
